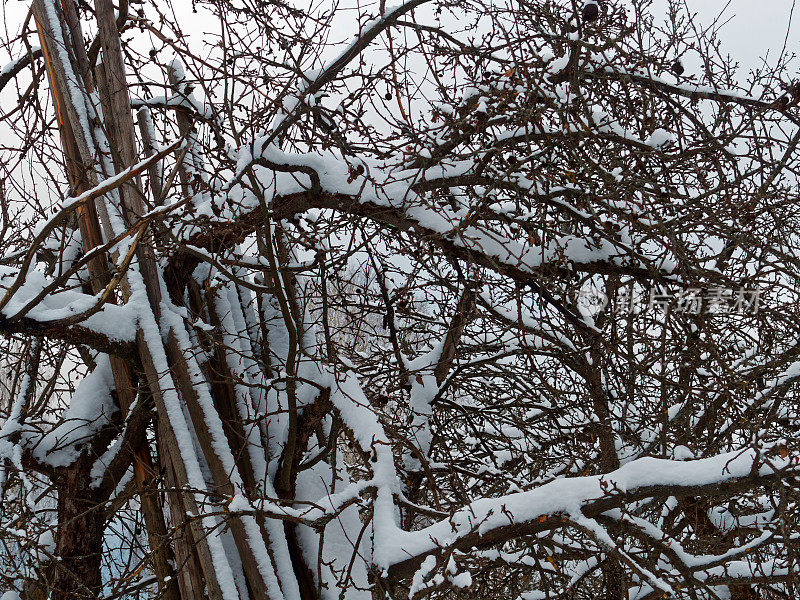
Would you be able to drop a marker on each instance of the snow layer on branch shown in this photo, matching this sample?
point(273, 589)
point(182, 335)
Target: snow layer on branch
point(171, 321)
point(184, 437)
point(340, 539)
point(74, 87)
point(8, 68)
point(383, 185)
point(562, 496)
point(178, 100)
point(90, 408)
point(346, 533)
point(117, 323)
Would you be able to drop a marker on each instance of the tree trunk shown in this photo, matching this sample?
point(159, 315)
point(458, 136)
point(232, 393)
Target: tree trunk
point(79, 539)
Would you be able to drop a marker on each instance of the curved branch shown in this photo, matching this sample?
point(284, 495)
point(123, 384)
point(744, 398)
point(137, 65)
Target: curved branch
point(492, 521)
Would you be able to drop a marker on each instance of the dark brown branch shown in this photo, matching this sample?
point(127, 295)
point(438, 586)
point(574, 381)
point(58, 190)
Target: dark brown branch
point(589, 509)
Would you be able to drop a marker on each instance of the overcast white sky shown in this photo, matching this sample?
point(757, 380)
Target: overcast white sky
point(753, 28)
